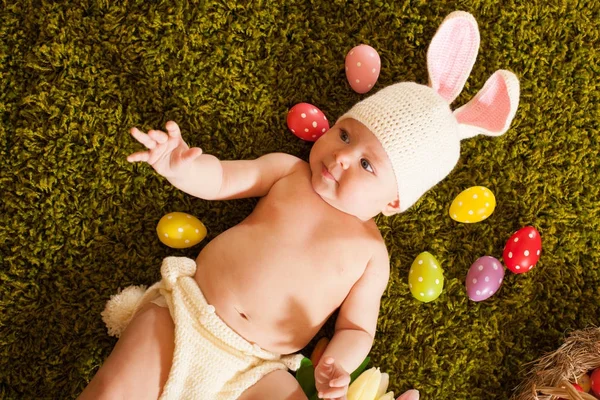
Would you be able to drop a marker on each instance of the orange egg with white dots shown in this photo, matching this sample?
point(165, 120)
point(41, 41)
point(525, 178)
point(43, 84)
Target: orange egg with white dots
point(180, 230)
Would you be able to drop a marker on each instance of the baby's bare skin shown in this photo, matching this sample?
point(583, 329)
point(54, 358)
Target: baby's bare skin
point(277, 276)
point(309, 247)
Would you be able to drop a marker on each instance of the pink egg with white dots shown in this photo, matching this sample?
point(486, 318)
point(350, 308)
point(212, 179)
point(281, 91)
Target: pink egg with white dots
point(362, 68)
point(484, 278)
point(307, 122)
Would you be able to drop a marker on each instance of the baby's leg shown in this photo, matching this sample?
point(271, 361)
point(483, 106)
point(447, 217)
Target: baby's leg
point(278, 385)
point(139, 365)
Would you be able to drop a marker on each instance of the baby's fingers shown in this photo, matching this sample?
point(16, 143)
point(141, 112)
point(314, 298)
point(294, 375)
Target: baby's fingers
point(173, 129)
point(333, 393)
point(139, 156)
point(143, 138)
point(158, 136)
point(323, 372)
point(340, 382)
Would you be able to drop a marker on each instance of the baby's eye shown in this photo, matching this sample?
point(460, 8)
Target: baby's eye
point(344, 137)
point(366, 165)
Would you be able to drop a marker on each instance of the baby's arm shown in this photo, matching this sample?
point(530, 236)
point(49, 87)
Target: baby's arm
point(356, 323)
point(205, 176)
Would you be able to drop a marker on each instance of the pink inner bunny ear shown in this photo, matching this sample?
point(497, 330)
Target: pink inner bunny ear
point(452, 53)
point(491, 111)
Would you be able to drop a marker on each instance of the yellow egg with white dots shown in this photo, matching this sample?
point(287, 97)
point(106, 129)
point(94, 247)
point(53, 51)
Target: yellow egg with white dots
point(180, 230)
point(473, 205)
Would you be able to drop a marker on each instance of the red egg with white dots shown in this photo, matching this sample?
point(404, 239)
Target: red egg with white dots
point(522, 251)
point(307, 122)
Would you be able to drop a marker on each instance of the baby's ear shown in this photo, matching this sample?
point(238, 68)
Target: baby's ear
point(452, 53)
point(491, 111)
point(392, 208)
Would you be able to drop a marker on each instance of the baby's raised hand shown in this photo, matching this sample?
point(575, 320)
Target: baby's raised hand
point(331, 380)
point(167, 153)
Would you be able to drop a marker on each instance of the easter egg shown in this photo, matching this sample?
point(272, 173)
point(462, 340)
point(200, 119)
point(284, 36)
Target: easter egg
point(425, 278)
point(362, 68)
point(585, 382)
point(318, 351)
point(180, 230)
point(595, 382)
point(577, 387)
point(365, 386)
point(307, 122)
point(484, 278)
point(522, 251)
point(473, 205)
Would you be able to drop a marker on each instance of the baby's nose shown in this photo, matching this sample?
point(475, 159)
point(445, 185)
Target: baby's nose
point(344, 157)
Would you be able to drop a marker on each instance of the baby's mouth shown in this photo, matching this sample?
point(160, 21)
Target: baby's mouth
point(325, 172)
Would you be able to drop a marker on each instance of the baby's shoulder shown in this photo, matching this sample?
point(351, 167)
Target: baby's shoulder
point(297, 168)
point(373, 234)
point(379, 262)
point(285, 161)
point(377, 245)
point(291, 164)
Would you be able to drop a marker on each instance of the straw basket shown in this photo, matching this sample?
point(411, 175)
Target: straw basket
point(551, 375)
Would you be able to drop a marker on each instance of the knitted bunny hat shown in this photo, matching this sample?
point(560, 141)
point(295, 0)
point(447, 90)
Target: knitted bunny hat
point(415, 124)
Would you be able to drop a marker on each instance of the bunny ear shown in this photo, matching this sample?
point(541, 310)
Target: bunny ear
point(491, 111)
point(452, 53)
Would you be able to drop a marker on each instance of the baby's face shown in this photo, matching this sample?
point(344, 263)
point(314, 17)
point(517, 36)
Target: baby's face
point(351, 171)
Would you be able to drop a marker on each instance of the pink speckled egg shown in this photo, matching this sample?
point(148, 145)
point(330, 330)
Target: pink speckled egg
point(484, 278)
point(362, 68)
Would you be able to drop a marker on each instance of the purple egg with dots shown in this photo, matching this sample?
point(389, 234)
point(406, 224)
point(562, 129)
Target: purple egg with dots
point(484, 278)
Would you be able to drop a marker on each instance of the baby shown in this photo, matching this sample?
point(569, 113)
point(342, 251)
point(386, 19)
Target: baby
point(227, 325)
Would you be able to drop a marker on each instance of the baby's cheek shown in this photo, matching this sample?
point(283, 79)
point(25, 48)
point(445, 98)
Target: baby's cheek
point(360, 197)
point(374, 197)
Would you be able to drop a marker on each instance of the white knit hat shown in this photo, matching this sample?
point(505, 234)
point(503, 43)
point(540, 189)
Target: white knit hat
point(415, 124)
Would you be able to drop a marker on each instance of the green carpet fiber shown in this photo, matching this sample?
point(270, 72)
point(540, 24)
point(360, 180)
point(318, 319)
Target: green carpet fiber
point(77, 222)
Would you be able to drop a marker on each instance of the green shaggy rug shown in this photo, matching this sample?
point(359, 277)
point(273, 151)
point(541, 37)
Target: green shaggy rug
point(77, 222)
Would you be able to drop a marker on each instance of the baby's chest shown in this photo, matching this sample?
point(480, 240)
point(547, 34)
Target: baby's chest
point(319, 276)
point(315, 255)
point(313, 239)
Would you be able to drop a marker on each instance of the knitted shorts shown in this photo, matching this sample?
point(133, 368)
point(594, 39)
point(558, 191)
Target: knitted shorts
point(210, 360)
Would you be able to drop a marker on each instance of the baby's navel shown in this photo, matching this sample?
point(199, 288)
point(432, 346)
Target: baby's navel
point(241, 314)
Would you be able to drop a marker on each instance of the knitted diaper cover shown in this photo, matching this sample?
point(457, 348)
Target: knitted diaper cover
point(210, 360)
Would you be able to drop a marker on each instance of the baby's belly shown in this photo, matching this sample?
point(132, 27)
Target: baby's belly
point(256, 325)
point(278, 316)
point(277, 286)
